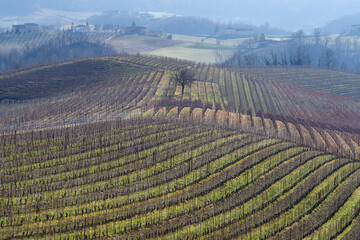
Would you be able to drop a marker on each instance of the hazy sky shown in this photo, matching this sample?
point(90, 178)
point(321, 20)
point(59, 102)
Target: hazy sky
point(289, 14)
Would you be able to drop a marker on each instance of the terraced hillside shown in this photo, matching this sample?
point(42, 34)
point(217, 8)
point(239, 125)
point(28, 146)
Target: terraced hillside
point(243, 93)
point(127, 86)
point(344, 143)
point(332, 81)
point(215, 88)
point(151, 179)
point(110, 148)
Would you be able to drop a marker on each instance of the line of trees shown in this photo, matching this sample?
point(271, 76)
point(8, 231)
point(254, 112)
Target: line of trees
point(63, 47)
point(316, 51)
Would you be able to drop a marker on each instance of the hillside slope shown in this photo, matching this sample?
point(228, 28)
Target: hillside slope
point(331, 81)
point(152, 179)
point(341, 143)
point(234, 90)
point(112, 148)
point(128, 86)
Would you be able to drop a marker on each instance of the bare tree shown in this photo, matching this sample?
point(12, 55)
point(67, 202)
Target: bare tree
point(284, 59)
point(317, 36)
point(184, 77)
point(299, 37)
point(328, 59)
point(275, 60)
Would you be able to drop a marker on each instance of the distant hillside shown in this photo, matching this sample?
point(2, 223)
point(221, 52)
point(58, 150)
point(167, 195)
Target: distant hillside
point(175, 24)
point(172, 24)
point(23, 50)
point(342, 24)
point(185, 25)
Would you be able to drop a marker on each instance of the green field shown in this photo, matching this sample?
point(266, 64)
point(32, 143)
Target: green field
point(188, 52)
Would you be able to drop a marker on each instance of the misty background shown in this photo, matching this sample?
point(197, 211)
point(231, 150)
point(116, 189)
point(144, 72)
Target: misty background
point(317, 33)
point(287, 14)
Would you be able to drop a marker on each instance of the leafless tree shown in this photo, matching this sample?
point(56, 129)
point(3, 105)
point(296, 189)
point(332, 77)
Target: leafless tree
point(317, 36)
point(327, 59)
point(299, 37)
point(184, 77)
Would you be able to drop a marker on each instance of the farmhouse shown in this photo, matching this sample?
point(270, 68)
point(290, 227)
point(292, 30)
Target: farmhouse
point(27, 27)
point(18, 28)
point(134, 30)
point(80, 28)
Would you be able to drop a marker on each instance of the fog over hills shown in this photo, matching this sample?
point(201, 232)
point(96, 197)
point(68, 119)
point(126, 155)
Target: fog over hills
point(342, 24)
point(290, 15)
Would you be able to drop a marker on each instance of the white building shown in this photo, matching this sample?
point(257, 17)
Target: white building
point(81, 28)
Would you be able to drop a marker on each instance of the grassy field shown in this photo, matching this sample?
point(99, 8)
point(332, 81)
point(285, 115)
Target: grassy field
point(138, 43)
point(211, 46)
point(197, 53)
point(208, 40)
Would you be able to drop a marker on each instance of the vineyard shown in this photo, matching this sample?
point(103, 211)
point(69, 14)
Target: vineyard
point(336, 82)
point(135, 84)
point(110, 147)
point(343, 143)
point(152, 179)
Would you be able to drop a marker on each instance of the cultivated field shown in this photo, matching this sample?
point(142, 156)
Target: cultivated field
point(196, 53)
point(108, 148)
point(152, 179)
point(336, 82)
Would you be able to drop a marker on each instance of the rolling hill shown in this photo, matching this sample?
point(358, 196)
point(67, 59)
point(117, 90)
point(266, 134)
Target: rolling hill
point(112, 148)
point(341, 25)
point(11, 40)
point(131, 85)
point(152, 179)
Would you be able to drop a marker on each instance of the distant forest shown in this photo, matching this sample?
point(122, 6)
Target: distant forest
point(311, 51)
point(63, 47)
point(174, 24)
